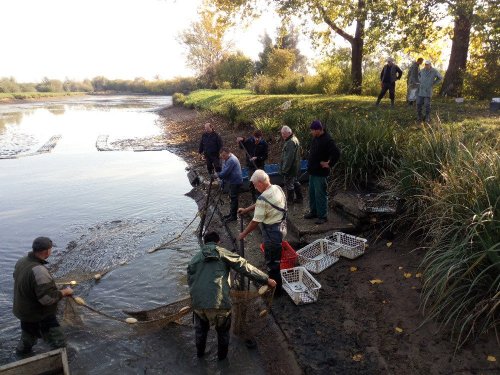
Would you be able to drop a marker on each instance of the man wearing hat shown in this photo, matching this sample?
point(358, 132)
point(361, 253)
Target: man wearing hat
point(388, 77)
point(36, 297)
point(428, 77)
point(323, 155)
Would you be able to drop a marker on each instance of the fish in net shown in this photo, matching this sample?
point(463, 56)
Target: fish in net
point(250, 311)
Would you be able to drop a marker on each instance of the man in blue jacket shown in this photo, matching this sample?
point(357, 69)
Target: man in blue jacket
point(231, 174)
point(210, 146)
point(323, 155)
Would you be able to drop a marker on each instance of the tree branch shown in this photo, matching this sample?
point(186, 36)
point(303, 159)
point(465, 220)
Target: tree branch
point(333, 26)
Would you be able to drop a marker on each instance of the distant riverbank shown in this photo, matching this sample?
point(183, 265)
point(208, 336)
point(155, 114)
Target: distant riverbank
point(21, 97)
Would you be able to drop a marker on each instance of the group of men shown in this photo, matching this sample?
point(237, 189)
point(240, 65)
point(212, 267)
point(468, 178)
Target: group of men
point(420, 83)
point(36, 295)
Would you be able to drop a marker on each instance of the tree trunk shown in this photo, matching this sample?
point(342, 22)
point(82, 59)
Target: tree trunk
point(454, 77)
point(356, 66)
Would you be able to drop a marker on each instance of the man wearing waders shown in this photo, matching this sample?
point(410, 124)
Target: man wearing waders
point(256, 151)
point(270, 212)
point(290, 165)
point(231, 174)
point(208, 279)
point(210, 147)
point(36, 297)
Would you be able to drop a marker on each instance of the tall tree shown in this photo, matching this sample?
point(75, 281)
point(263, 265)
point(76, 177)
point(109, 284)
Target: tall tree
point(288, 38)
point(204, 40)
point(267, 48)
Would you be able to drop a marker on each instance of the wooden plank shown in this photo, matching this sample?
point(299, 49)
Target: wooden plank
point(53, 362)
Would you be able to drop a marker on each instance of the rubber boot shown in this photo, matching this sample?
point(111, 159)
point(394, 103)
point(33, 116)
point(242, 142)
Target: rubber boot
point(290, 196)
point(299, 198)
point(201, 328)
point(222, 327)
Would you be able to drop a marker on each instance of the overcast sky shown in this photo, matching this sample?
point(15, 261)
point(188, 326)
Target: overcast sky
point(80, 39)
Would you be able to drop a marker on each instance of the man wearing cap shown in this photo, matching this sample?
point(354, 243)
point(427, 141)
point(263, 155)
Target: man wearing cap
point(388, 77)
point(428, 77)
point(36, 297)
point(413, 81)
point(210, 147)
point(323, 155)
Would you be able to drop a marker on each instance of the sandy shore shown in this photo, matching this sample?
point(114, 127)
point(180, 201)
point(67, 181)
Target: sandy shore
point(356, 326)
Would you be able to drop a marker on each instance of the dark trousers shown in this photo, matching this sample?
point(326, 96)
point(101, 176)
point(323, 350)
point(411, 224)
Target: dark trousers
point(318, 196)
point(48, 329)
point(201, 328)
point(251, 170)
point(272, 239)
point(387, 86)
point(213, 162)
point(234, 192)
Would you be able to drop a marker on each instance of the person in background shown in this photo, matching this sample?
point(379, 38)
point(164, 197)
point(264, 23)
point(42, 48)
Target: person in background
point(413, 81)
point(323, 155)
point(210, 147)
point(36, 297)
point(256, 152)
point(290, 165)
point(208, 280)
point(231, 174)
point(428, 77)
point(388, 76)
point(270, 212)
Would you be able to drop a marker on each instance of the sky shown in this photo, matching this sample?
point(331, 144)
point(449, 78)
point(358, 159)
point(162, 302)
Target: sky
point(78, 39)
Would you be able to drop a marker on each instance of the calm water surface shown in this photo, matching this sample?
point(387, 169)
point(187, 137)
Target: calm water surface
point(103, 210)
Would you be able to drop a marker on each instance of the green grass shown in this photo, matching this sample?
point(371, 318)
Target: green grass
point(35, 95)
point(447, 174)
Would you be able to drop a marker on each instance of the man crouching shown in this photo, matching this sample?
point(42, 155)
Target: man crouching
point(208, 279)
point(36, 297)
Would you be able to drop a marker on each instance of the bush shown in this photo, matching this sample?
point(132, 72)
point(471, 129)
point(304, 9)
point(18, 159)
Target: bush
point(225, 85)
point(178, 99)
point(233, 112)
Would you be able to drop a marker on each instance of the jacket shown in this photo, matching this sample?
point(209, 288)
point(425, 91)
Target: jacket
point(210, 144)
point(396, 73)
point(428, 78)
point(259, 150)
point(35, 292)
point(290, 157)
point(323, 148)
point(412, 78)
point(208, 276)
point(231, 171)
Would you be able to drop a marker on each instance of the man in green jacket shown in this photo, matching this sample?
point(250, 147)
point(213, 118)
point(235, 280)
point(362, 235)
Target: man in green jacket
point(36, 297)
point(290, 165)
point(208, 279)
point(429, 77)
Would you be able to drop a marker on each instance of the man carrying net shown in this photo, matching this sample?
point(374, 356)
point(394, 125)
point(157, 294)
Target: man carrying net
point(208, 279)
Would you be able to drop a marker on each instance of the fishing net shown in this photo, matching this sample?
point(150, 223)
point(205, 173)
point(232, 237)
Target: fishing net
point(250, 311)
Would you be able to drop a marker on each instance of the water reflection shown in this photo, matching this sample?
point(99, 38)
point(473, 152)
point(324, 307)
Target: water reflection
point(104, 210)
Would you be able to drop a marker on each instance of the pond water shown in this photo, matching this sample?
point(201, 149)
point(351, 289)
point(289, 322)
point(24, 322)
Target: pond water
point(103, 210)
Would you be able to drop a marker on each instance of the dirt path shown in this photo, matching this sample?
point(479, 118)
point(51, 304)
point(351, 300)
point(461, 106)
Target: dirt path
point(356, 327)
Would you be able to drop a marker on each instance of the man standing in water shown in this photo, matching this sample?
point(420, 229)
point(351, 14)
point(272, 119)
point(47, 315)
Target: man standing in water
point(270, 212)
point(208, 279)
point(210, 147)
point(36, 297)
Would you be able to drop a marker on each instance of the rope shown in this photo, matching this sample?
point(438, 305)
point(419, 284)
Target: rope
point(97, 311)
point(176, 238)
point(217, 201)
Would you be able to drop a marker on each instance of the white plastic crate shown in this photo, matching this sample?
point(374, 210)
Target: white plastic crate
point(300, 285)
point(350, 246)
point(319, 255)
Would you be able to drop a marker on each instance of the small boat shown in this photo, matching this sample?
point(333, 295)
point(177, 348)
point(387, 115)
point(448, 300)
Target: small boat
point(54, 362)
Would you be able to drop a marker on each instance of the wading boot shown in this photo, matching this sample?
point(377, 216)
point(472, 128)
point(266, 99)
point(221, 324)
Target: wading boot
point(299, 198)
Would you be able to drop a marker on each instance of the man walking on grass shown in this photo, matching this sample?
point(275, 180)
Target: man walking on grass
point(35, 299)
point(323, 155)
point(208, 279)
point(388, 76)
point(429, 77)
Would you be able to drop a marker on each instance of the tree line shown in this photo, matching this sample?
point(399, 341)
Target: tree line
point(404, 30)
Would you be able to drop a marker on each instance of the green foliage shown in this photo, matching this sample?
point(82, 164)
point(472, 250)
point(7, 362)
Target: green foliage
point(49, 85)
point(268, 125)
point(178, 99)
point(280, 63)
point(236, 70)
point(233, 112)
point(9, 85)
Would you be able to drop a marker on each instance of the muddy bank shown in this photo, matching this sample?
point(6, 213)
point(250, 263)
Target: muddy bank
point(356, 326)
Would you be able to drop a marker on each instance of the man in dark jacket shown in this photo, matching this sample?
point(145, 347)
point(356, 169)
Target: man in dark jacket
point(323, 155)
point(36, 297)
point(290, 165)
point(210, 146)
point(256, 152)
point(413, 81)
point(208, 279)
point(388, 77)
